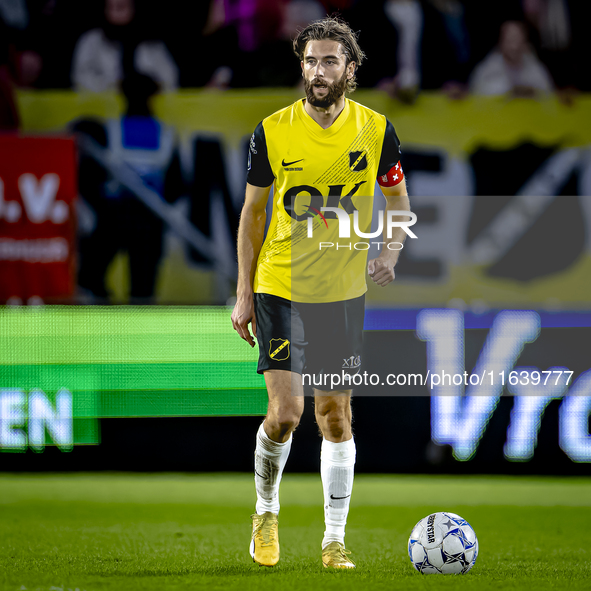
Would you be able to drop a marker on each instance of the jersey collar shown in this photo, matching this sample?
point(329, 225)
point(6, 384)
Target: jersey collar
point(315, 128)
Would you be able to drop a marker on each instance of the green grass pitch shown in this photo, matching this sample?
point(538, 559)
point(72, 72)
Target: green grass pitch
point(191, 531)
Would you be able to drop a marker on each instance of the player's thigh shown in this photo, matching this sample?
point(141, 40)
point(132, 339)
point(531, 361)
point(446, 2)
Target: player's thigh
point(286, 394)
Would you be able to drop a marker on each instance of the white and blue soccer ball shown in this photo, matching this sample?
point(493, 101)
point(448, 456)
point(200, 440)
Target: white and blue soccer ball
point(443, 543)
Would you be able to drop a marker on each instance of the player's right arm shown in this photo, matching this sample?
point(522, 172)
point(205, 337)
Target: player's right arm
point(251, 231)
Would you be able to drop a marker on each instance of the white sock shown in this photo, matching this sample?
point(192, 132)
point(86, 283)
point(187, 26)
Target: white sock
point(269, 461)
point(337, 461)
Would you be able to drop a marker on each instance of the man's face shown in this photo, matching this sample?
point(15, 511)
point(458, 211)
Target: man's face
point(513, 41)
point(325, 72)
point(119, 12)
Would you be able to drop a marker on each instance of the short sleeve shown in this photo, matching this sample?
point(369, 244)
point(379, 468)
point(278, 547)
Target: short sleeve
point(259, 169)
point(390, 150)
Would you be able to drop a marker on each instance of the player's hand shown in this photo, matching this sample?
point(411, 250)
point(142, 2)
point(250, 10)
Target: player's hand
point(381, 271)
point(242, 316)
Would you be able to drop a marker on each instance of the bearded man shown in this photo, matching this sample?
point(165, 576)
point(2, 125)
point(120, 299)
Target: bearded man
point(301, 287)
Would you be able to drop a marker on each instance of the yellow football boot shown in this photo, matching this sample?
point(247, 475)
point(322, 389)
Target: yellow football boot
point(335, 556)
point(264, 544)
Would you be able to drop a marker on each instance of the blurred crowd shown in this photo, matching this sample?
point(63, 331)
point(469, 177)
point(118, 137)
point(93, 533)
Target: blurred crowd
point(487, 47)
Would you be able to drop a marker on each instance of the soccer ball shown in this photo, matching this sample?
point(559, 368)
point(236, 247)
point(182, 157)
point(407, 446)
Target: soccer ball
point(443, 543)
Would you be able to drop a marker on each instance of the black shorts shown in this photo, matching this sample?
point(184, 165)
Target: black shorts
point(315, 339)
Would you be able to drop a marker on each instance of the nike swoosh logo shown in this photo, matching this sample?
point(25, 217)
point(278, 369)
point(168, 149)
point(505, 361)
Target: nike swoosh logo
point(338, 498)
point(283, 163)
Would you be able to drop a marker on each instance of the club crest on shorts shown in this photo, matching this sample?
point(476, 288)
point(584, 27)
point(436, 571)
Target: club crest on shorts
point(279, 349)
point(357, 161)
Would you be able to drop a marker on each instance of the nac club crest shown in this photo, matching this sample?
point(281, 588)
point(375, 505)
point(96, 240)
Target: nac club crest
point(279, 349)
point(357, 160)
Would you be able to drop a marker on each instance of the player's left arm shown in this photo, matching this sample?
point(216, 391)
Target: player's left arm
point(381, 269)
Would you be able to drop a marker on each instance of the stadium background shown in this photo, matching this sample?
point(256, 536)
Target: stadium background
point(141, 378)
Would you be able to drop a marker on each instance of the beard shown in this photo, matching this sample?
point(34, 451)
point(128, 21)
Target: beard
point(334, 91)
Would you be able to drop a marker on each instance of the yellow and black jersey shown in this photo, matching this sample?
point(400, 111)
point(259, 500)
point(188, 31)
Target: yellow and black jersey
point(312, 169)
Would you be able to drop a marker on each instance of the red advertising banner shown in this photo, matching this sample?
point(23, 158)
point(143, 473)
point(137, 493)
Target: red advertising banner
point(37, 218)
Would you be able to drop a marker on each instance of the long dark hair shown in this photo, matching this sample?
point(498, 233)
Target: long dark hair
point(334, 29)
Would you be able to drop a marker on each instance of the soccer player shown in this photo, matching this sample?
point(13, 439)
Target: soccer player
point(302, 286)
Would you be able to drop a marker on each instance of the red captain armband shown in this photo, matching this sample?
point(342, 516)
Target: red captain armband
point(393, 177)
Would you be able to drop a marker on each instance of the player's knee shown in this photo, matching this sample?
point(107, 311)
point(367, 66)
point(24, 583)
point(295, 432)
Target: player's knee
point(336, 427)
point(335, 424)
point(287, 425)
point(286, 420)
